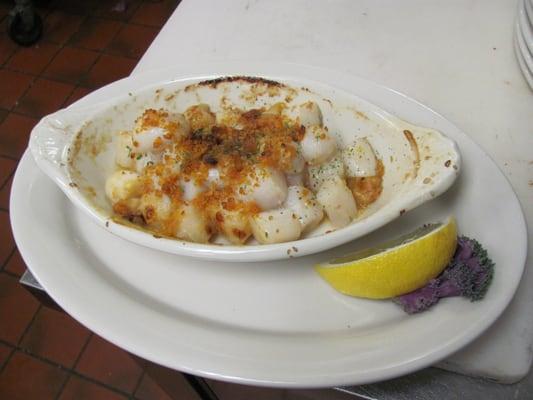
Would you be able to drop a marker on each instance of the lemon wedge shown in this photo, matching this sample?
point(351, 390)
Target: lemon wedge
point(396, 267)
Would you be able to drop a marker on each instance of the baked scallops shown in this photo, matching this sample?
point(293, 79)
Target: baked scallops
point(246, 173)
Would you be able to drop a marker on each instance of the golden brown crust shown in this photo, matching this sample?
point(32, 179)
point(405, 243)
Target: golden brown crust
point(366, 190)
point(256, 139)
point(235, 147)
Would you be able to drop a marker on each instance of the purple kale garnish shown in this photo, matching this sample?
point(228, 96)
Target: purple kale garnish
point(468, 274)
point(419, 300)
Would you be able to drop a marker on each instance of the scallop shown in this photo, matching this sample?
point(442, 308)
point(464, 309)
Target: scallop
point(229, 117)
point(359, 159)
point(142, 160)
point(155, 208)
point(275, 226)
point(267, 187)
point(200, 117)
point(123, 150)
point(173, 162)
point(182, 127)
point(303, 203)
point(234, 225)
point(296, 179)
point(123, 185)
point(190, 189)
point(337, 201)
point(310, 114)
point(297, 163)
point(150, 140)
point(318, 146)
point(318, 174)
point(155, 182)
point(193, 225)
point(276, 109)
point(213, 177)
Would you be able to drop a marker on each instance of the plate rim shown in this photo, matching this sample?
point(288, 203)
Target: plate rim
point(522, 66)
point(389, 373)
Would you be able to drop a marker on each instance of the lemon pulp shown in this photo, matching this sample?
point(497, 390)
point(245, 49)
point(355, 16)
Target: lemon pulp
point(396, 267)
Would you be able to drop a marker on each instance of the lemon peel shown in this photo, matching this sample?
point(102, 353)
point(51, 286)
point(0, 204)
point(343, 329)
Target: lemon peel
point(396, 267)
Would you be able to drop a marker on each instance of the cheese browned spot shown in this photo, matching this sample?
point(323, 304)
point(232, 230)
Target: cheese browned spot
point(366, 190)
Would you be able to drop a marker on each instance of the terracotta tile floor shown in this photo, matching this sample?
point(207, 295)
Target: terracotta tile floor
point(45, 354)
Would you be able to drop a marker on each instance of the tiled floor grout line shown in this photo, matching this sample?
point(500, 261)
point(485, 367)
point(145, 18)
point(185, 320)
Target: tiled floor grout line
point(13, 351)
point(5, 342)
point(33, 80)
point(138, 384)
point(28, 326)
point(104, 50)
point(63, 105)
point(27, 115)
point(17, 347)
point(11, 274)
point(83, 348)
point(63, 385)
point(16, 103)
point(96, 382)
point(10, 157)
point(122, 26)
point(6, 67)
point(13, 250)
point(11, 175)
point(4, 185)
point(71, 371)
point(7, 262)
point(3, 65)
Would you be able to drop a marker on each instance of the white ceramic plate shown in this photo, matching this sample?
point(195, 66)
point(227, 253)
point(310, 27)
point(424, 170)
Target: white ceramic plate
point(525, 30)
point(518, 49)
point(418, 167)
point(528, 7)
point(276, 323)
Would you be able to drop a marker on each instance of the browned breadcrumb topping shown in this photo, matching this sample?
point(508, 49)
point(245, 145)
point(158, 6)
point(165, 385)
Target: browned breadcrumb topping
point(255, 138)
point(237, 146)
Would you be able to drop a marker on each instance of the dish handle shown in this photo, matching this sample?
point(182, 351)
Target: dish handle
point(50, 141)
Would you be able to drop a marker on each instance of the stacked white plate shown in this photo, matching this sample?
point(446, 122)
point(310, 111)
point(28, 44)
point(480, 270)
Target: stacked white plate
point(523, 39)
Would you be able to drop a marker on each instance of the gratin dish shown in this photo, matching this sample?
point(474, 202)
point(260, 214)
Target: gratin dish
point(74, 148)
